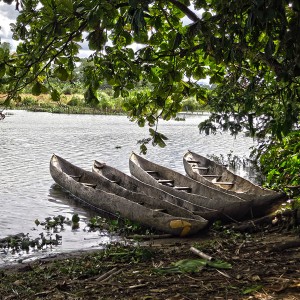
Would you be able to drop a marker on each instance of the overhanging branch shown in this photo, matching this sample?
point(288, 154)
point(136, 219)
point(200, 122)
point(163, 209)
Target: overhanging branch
point(188, 12)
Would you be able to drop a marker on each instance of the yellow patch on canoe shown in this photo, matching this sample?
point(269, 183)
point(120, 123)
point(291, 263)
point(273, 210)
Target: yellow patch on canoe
point(186, 226)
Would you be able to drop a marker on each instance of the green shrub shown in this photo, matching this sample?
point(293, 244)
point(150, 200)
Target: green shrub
point(280, 163)
point(191, 104)
point(67, 90)
point(75, 101)
point(29, 101)
point(104, 101)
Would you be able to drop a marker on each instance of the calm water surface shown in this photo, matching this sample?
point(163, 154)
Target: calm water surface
point(27, 140)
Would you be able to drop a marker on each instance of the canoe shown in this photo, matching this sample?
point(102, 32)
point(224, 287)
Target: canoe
point(219, 177)
point(88, 187)
point(125, 185)
point(230, 207)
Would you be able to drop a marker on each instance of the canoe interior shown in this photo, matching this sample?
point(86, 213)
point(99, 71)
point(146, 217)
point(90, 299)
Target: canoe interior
point(230, 206)
point(218, 176)
point(264, 201)
point(131, 188)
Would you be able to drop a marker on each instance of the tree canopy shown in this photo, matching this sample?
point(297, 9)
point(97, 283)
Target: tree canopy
point(249, 49)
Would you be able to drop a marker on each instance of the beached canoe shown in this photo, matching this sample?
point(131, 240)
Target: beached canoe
point(219, 177)
point(127, 186)
point(229, 206)
point(88, 187)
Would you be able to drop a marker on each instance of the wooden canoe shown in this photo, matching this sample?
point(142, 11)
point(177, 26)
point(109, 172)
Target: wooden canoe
point(125, 186)
point(229, 206)
point(88, 187)
point(219, 177)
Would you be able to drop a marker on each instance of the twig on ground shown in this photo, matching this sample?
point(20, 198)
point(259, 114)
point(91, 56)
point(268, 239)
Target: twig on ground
point(223, 273)
point(201, 254)
point(106, 276)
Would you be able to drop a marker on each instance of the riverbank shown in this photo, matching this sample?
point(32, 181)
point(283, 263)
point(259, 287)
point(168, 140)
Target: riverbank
point(261, 265)
point(75, 104)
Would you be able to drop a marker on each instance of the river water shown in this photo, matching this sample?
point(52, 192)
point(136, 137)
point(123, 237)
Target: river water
point(27, 141)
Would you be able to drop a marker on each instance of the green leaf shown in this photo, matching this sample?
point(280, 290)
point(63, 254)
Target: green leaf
point(75, 218)
point(97, 39)
point(252, 289)
point(61, 73)
point(90, 97)
point(37, 89)
point(2, 70)
point(55, 96)
point(143, 149)
point(193, 266)
point(177, 40)
point(198, 73)
point(219, 264)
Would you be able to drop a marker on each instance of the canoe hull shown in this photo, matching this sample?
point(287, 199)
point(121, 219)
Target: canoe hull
point(204, 170)
point(229, 206)
point(86, 186)
point(125, 185)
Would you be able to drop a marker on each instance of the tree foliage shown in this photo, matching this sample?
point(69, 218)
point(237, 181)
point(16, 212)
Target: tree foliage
point(280, 162)
point(248, 48)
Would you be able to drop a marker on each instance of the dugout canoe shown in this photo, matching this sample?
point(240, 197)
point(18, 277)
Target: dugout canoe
point(125, 186)
point(88, 187)
point(229, 206)
point(215, 175)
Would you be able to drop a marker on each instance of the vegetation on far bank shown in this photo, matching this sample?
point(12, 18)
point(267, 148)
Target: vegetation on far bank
point(75, 103)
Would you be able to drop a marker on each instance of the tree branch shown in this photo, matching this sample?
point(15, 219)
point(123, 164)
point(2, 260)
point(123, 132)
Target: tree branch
point(189, 13)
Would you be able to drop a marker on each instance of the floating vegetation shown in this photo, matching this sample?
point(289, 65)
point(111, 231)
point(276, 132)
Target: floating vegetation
point(22, 242)
point(179, 119)
point(119, 226)
point(52, 225)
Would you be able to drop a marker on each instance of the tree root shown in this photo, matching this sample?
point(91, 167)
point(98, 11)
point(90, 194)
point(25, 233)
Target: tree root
point(286, 218)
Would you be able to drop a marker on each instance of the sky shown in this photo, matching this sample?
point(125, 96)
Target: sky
point(8, 14)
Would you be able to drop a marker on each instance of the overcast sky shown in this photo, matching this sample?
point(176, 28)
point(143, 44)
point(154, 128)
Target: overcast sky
point(8, 14)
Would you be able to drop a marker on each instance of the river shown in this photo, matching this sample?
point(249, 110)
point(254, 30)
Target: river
point(27, 139)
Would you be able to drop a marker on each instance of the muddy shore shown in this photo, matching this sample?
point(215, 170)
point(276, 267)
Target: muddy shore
point(264, 265)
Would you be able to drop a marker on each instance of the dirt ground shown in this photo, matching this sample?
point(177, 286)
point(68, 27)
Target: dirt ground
point(264, 265)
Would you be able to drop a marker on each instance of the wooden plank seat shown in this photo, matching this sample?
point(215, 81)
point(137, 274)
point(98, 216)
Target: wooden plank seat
point(200, 168)
point(87, 184)
point(212, 175)
point(183, 188)
point(76, 176)
point(152, 172)
point(165, 181)
point(160, 210)
point(114, 181)
point(223, 182)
